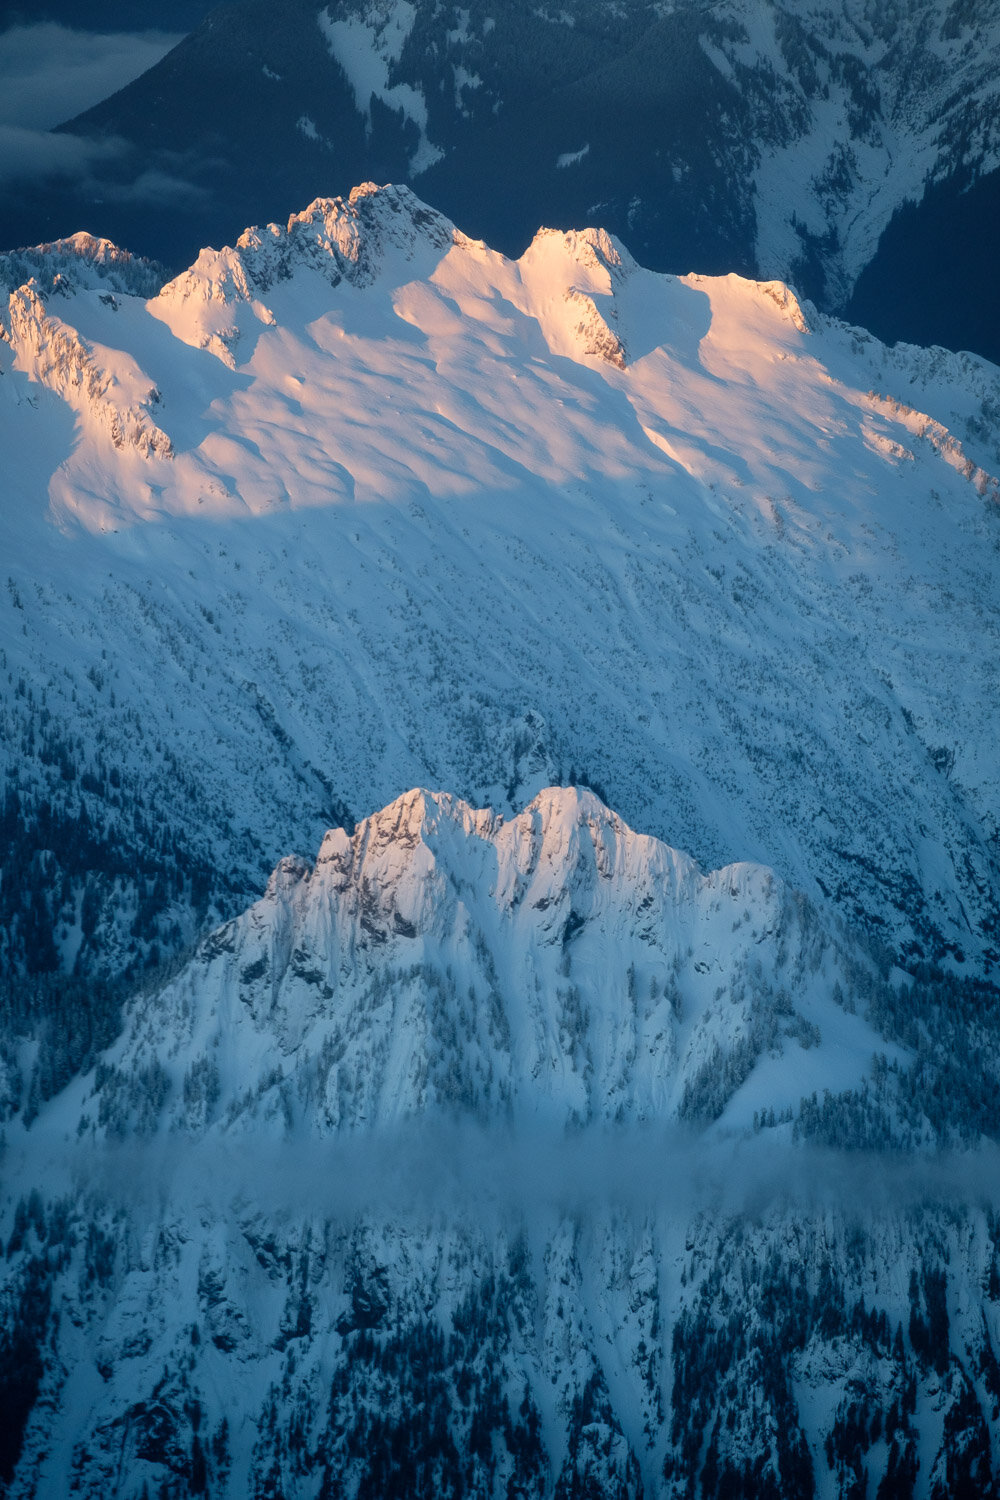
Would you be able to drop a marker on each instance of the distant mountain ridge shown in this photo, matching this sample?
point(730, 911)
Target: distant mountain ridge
point(733, 137)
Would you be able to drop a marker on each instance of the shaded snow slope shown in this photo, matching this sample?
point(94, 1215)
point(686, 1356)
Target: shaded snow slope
point(359, 504)
point(82, 261)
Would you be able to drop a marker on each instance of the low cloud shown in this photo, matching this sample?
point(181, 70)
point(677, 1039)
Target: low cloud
point(93, 169)
point(156, 187)
point(28, 155)
point(50, 73)
point(488, 1175)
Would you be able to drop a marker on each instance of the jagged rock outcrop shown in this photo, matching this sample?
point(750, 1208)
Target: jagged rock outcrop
point(343, 240)
point(81, 262)
point(106, 388)
point(555, 967)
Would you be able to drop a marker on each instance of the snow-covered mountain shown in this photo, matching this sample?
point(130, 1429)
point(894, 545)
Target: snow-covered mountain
point(359, 504)
point(779, 140)
point(498, 1148)
point(555, 967)
point(485, 1157)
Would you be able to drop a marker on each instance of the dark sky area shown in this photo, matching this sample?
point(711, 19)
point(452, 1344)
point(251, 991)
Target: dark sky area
point(108, 15)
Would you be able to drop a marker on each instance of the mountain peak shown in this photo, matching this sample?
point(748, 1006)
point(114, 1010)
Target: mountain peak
point(556, 965)
point(112, 395)
point(82, 262)
point(219, 298)
point(575, 276)
point(561, 811)
point(591, 259)
point(566, 853)
point(352, 236)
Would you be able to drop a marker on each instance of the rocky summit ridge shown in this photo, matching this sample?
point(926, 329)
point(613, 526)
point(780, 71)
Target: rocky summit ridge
point(442, 962)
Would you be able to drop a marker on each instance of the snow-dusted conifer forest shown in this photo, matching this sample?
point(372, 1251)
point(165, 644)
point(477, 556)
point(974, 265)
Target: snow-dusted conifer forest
point(500, 893)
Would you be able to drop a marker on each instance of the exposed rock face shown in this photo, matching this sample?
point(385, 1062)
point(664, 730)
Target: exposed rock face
point(82, 261)
point(341, 240)
point(106, 388)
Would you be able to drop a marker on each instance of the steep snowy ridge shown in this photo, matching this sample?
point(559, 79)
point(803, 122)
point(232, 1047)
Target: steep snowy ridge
point(960, 391)
point(940, 439)
point(575, 277)
point(389, 229)
point(341, 240)
point(82, 261)
point(104, 386)
point(556, 966)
